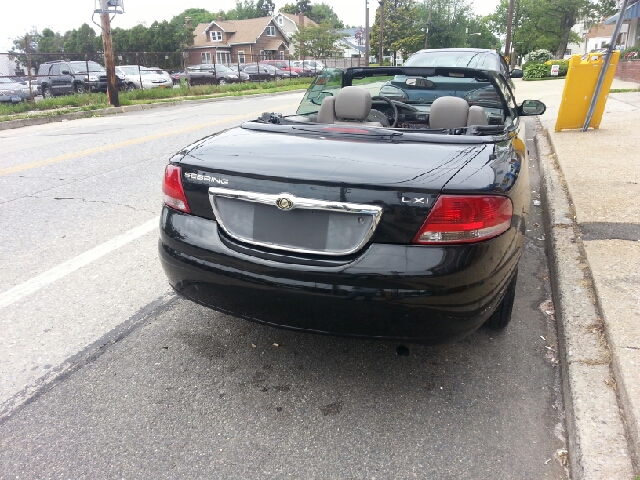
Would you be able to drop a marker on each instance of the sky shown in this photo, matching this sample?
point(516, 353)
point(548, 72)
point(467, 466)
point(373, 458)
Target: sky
point(17, 19)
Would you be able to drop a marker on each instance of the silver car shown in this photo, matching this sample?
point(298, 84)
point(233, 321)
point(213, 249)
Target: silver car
point(12, 91)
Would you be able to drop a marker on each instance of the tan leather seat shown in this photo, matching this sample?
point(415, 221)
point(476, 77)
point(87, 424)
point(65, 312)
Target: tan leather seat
point(454, 112)
point(350, 105)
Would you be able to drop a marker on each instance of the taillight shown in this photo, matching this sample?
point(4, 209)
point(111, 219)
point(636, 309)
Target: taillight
point(172, 188)
point(464, 219)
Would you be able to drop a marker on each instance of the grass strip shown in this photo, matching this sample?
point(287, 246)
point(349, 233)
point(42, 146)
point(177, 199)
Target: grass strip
point(93, 101)
point(624, 90)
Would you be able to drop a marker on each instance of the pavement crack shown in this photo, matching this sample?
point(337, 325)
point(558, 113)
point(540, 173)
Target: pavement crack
point(105, 203)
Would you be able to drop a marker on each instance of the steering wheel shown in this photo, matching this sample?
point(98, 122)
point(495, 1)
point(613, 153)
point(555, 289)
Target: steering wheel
point(393, 108)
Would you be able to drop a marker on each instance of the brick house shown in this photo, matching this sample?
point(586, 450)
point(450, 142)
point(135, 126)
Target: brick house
point(238, 41)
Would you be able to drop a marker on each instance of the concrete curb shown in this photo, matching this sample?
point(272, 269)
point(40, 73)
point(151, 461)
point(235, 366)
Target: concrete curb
point(26, 122)
point(598, 447)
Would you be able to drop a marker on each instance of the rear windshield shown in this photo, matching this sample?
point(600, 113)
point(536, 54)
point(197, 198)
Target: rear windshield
point(81, 67)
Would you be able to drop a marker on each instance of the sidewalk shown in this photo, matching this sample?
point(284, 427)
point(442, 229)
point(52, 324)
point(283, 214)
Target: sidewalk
point(592, 199)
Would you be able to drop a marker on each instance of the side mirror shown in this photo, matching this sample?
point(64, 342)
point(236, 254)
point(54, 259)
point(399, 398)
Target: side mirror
point(65, 72)
point(531, 107)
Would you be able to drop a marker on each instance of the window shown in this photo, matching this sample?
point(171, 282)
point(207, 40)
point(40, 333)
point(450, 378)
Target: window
point(262, 57)
point(280, 19)
point(223, 57)
point(241, 56)
point(215, 36)
point(271, 31)
point(281, 54)
point(205, 57)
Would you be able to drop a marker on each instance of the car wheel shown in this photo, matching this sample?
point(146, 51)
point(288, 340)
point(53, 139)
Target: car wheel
point(130, 87)
point(502, 315)
point(222, 81)
point(46, 92)
point(278, 78)
point(79, 88)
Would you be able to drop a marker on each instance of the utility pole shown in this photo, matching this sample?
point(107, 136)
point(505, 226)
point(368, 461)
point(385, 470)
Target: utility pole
point(426, 31)
point(507, 46)
point(381, 2)
point(367, 53)
point(26, 49)
point(109, 62)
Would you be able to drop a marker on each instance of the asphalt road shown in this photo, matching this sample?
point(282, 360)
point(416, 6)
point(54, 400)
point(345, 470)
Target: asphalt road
point(104, 373)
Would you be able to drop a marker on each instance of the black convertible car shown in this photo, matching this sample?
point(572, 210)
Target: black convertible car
point(393, 205)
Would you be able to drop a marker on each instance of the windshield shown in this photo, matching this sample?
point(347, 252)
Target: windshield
point(81, 67)
point(326, 84)
point(479, 59)
point(412, 90)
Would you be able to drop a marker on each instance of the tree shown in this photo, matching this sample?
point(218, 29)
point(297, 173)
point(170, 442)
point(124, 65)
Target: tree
point(399, 25)
point(323, 13)
point(316, 41)
point(82, 40)
point(244, 9)
point(547, 24)
point(50, 42)
point(265, 8)
point(196, 16)
point(301, 6)
point(290, 8)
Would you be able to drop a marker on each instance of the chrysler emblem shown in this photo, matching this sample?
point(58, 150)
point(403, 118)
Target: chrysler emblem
point(283, 203)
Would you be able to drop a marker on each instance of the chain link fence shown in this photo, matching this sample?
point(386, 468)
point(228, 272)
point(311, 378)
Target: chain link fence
point(27, 75)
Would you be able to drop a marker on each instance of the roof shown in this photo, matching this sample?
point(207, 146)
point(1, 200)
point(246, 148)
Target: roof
point(633, 11)
point(354, 46)
point(601, 30)
point(242, 31)
point(307, 22)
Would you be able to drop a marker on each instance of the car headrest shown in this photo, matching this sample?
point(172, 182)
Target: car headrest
point(353, 103)
point(448, 112)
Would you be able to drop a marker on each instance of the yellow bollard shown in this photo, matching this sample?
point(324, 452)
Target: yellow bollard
point(579, 88)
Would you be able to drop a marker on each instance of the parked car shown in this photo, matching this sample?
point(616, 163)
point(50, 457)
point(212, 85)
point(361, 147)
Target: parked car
point(516, 73)
point(136, 77)
point(265, 73)
point(237, 69)
point(209, 73)
point(383, 218)
point(286, 66)
point(58, 78)
point(33, 84)
point(12, 91)
point(177, 76)
point(62, 77)
point(312, 66)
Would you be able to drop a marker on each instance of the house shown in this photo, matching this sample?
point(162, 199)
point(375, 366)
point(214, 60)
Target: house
point(630, 29)
point(238, 41)
point(290, 25)
point(599, 36)
point(9, 66)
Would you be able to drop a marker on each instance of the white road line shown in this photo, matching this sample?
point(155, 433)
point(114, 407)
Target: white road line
point(56, 273)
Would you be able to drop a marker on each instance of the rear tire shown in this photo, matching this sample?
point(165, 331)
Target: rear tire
point(46, 92)
point(222, 81)
point(130, 87)
point(502, 315)
point(79, 88)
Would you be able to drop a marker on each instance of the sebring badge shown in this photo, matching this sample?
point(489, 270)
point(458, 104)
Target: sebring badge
point(283, 203)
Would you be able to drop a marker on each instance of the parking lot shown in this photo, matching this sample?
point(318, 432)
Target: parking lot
point(105, 372)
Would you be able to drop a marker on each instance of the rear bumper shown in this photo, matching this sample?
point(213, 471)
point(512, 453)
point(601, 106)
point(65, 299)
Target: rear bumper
point(401, 292)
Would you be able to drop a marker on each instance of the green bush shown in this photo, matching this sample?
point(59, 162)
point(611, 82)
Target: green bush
point(538, 56)
point(543, 70)
point(536, 70)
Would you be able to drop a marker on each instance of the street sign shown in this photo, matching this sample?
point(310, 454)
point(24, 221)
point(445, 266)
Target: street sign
point(555, 70)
